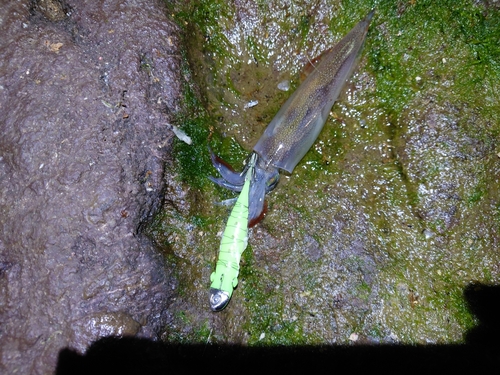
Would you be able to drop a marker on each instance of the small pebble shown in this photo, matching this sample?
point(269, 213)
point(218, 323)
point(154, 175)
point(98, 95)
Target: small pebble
point(428, 233)
point(354, 337)
point(181, 135)
point(284, 85)
point(251, 104)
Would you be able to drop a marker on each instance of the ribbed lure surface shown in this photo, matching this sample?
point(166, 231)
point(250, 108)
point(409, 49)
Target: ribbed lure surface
point(234, 242)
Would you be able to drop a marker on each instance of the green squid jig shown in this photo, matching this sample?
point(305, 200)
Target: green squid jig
point(234, 242)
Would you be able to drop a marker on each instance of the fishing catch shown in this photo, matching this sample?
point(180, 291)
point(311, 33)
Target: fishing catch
point(292, 131)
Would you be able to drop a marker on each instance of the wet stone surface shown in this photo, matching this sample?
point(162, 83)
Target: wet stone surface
point(392, 214)
point(394, 210)
point(86, 92)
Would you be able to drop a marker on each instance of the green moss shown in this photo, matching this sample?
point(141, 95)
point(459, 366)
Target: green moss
point(302, 29)
point(206, 16)
point(230, 151)
point(194, 159)
point(162, 232)
point(476, 195)
point(452, 302)
point(146, 64)
point(194, 162)
point(200, 332)
point(268, 323)
point(418, 30)
point(363, 290)
point(377, 332)
point(257, 50)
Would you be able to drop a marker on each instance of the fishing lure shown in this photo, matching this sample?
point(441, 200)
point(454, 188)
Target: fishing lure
point(234, 242)
point(298, 123)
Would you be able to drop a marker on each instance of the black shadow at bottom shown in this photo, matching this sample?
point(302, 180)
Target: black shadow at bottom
point(128, 355)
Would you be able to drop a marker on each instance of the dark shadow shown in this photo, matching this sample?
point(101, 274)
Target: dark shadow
point(481, 353)
point(484, 303)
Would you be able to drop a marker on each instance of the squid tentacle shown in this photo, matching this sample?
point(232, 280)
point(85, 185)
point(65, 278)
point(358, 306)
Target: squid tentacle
point(227, 172)
point(264, 179)
point(223, 183)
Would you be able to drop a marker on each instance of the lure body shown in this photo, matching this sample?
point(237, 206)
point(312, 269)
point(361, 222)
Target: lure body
point(234, 242)
point(298, 123)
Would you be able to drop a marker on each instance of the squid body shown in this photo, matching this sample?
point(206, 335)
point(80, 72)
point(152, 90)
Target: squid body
point(298, 123)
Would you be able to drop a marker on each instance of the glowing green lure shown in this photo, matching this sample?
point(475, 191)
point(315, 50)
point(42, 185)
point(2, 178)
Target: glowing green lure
point(234, 242)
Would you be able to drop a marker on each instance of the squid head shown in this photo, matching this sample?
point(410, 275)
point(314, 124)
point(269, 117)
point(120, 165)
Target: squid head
point(264, 180)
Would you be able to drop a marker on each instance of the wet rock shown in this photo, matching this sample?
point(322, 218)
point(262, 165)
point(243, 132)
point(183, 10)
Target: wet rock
point(312, 249)
point(444, 163)
point(53, 10)
point(81, 165)
point(107, 324)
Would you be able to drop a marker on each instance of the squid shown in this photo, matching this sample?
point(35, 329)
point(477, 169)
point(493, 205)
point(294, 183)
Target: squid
point(284, 143)
point(297, 124)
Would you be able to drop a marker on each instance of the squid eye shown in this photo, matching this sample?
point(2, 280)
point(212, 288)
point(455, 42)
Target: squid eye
point(272, 182)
